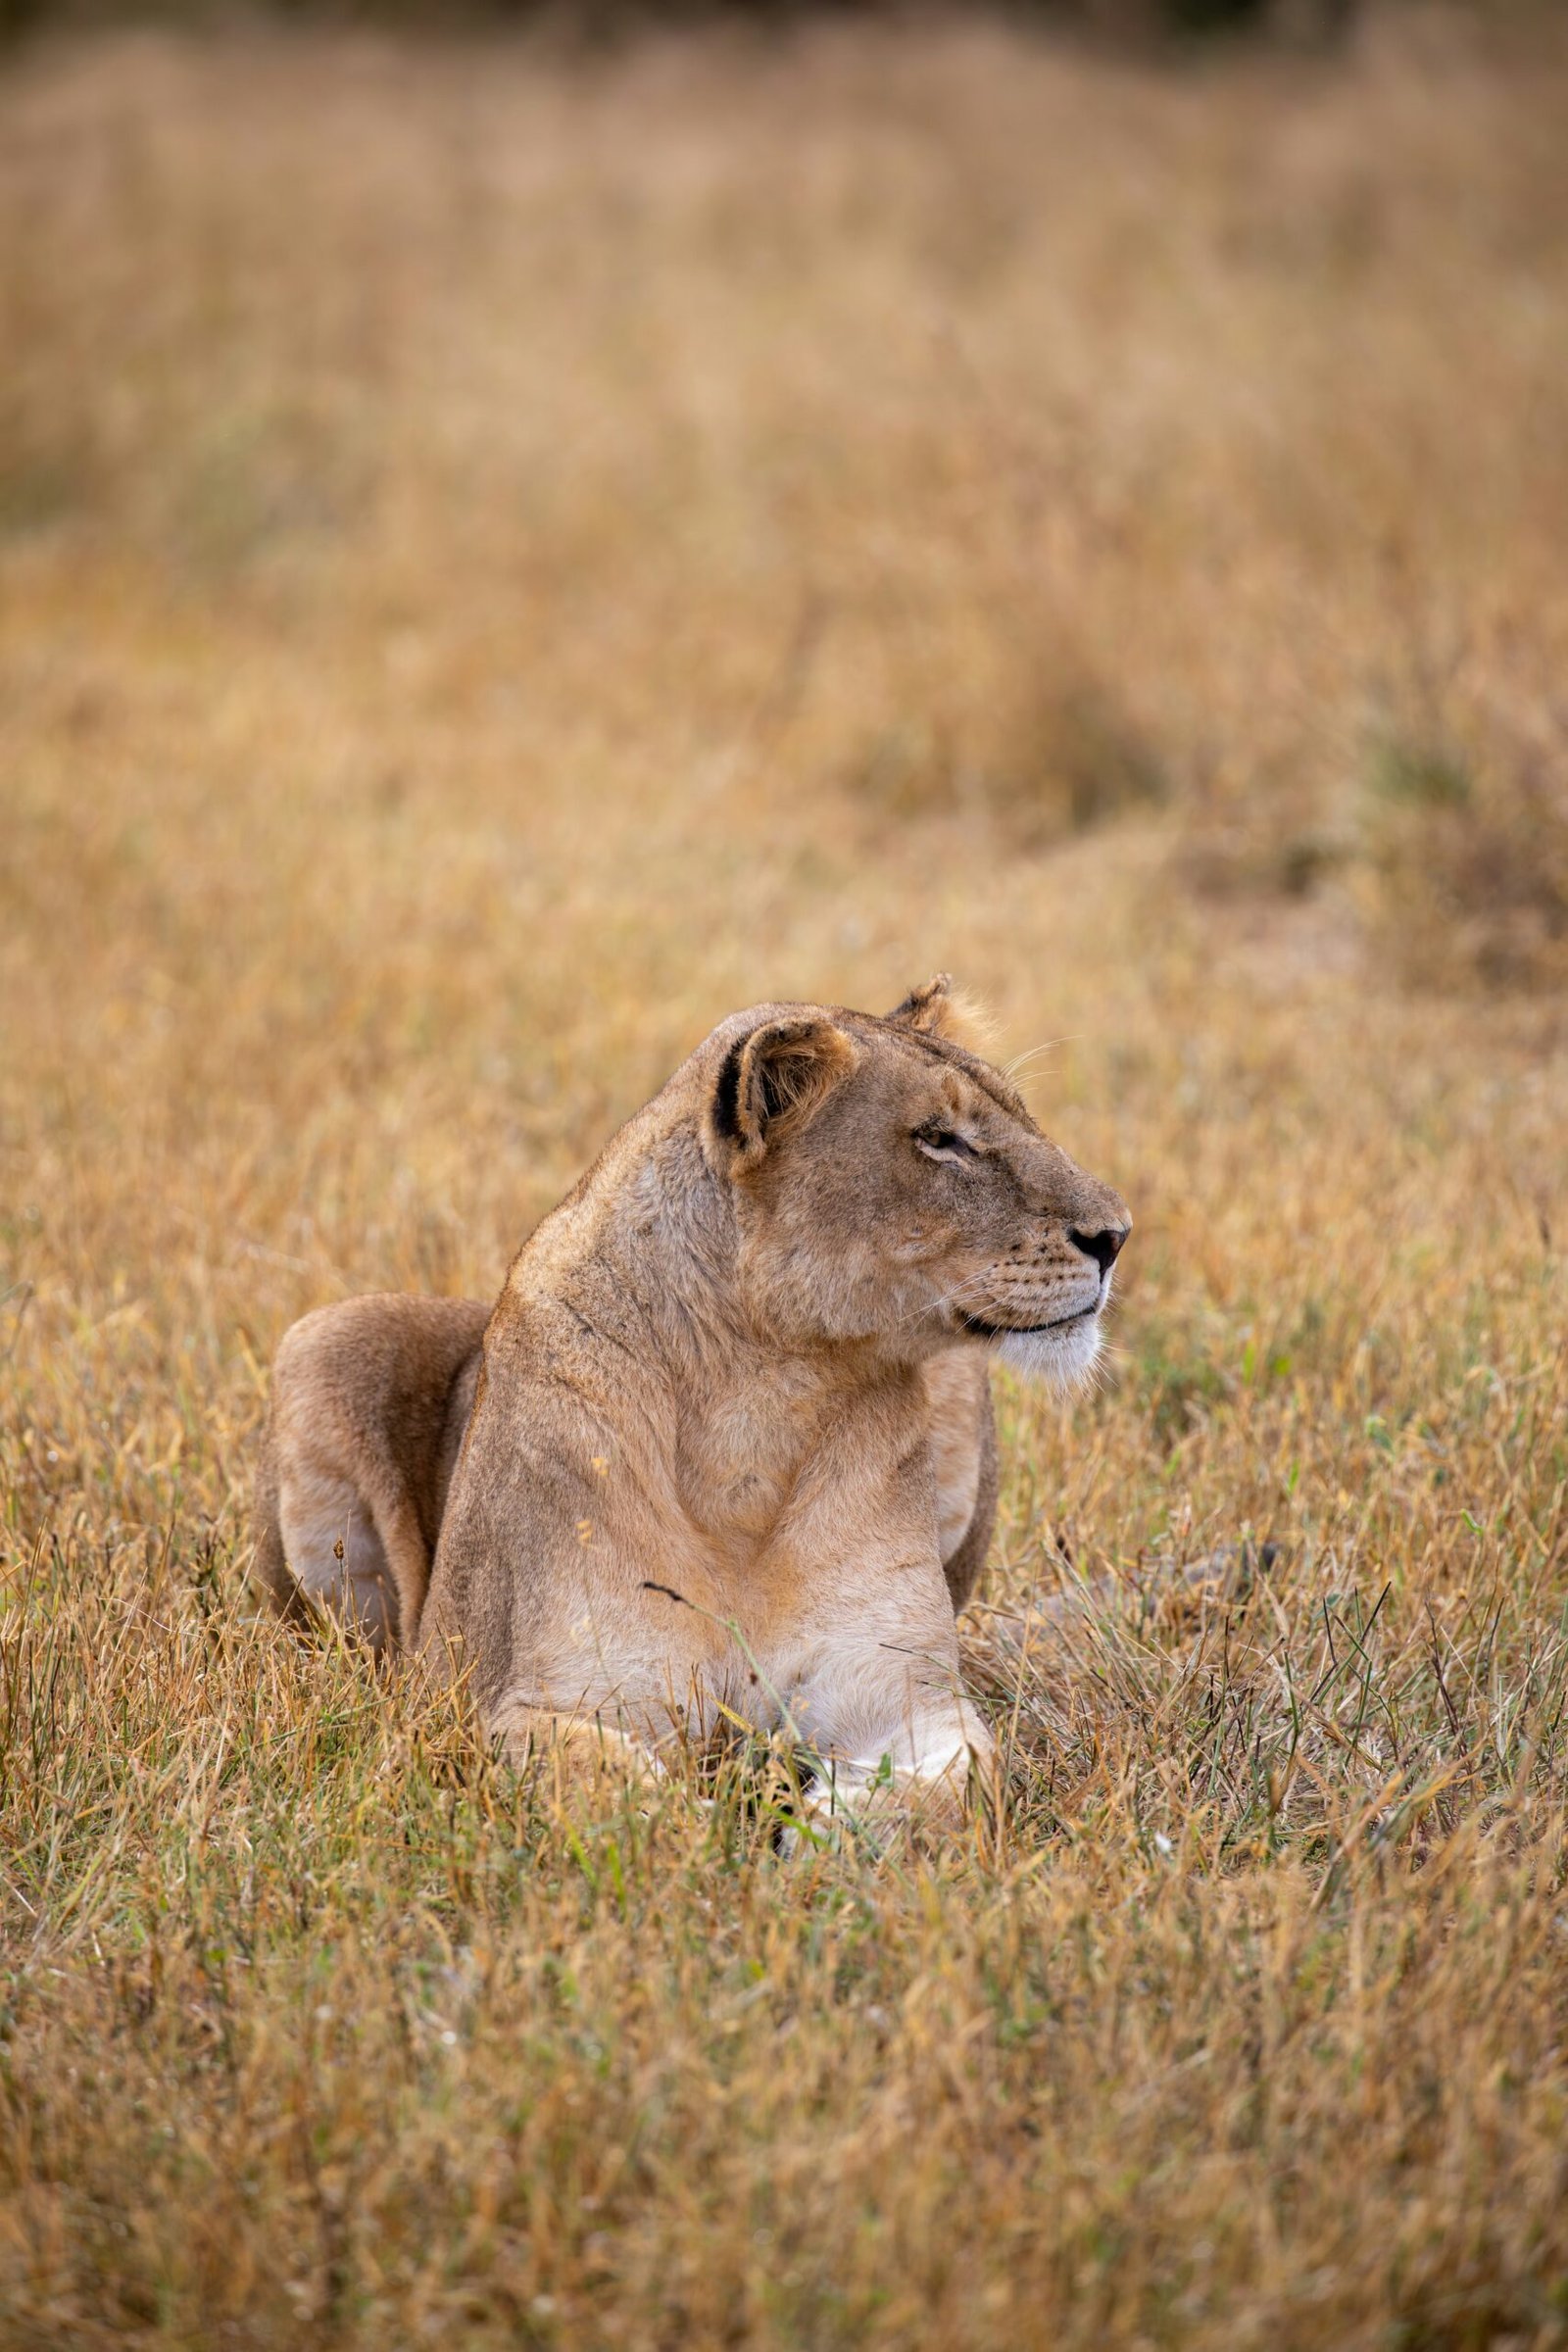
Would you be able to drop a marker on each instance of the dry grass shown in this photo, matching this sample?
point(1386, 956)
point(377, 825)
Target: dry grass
point(503, 560)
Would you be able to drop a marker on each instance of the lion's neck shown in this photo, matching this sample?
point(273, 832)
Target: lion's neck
point(642, 1265)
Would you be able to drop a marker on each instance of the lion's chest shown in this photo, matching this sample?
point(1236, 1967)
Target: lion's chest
point(739, 1465)
point(774, 1477)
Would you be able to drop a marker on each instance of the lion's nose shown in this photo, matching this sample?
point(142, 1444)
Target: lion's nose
point(1102, 1247)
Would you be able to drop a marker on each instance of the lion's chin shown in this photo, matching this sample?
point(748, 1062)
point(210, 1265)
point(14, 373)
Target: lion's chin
point(1063, 1359)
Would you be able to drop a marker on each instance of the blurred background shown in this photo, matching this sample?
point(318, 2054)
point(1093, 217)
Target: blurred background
point(521, 533)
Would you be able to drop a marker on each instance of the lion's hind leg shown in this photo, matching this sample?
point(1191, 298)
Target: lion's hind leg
point(270, 1562)
point(335, 1554)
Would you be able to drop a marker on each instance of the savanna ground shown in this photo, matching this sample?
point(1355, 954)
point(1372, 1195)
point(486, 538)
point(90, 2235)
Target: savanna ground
point(505, 556)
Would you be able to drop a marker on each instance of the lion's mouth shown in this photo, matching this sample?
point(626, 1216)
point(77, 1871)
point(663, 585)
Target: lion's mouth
point(1017, 1330)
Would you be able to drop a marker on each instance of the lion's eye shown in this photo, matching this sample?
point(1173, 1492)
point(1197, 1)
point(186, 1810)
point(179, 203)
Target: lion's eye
point(945, 1142)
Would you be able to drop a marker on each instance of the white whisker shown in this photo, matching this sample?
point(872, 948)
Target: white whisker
point(1031, 1054)
point(972, 1286)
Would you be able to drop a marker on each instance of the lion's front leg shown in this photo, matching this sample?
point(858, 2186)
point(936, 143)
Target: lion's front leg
point(928, 1780)
point(577, 1745)
point(879, 1701)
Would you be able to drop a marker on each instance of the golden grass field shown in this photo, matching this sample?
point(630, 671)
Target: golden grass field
point(506, 555)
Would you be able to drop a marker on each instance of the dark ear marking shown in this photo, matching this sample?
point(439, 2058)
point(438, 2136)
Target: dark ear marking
point(773, 1083)
point(926, 1008)
point(726, 1095)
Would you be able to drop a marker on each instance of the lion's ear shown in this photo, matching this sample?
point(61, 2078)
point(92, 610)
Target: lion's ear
point(773, 1081)
point(930, 1008)
point(938, 1009)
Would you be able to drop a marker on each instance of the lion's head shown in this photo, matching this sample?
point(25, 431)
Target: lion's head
point(890, 1186)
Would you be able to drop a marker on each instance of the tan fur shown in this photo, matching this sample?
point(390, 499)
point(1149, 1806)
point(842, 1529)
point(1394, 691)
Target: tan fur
point(369, 1402)
point(730, 1457)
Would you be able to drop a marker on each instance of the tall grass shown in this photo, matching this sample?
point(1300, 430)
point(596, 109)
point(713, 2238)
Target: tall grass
point(504, 559)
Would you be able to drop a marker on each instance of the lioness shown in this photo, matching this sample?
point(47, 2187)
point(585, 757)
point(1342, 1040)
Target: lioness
point(371, 1400)
point(723, 1449)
